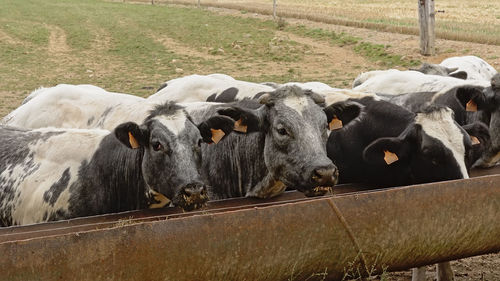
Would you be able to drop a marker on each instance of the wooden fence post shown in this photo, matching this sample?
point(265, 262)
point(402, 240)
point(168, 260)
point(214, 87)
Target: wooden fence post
point(274, 9)
point(426, 18)
point(199, 4)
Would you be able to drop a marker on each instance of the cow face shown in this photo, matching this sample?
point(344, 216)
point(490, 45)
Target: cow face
point(171, 154)
point(295, 144)
point(433, 148)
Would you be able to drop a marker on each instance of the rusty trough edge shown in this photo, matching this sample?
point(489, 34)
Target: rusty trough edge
point(394, 229)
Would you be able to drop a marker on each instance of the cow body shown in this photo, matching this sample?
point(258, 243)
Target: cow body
point(77, 106)
point(212, 88)
point(475, 67)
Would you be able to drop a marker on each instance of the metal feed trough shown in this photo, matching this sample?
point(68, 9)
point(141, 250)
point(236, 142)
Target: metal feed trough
point(289, 237)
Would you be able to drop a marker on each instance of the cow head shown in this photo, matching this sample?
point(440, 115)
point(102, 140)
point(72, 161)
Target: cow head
point(436, 69)
point(433, 148)
point(464, 100)
point(295, 129)
point(171, 156)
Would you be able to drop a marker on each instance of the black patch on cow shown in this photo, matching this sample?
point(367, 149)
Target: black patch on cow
point(14, 151)
point(211, 98)
point(161, 87)
point(103, 117)
point(91, 119)
point(228, 95)
point(50, 196)
point(167, 108)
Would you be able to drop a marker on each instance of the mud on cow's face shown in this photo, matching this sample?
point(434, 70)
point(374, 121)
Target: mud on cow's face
point(171, 156)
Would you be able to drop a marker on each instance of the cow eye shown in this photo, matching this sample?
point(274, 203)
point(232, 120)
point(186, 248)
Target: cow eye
point(157, 146)
point(282, 131)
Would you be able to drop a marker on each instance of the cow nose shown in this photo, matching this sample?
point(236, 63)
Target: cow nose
point(195, 191)
point(325, 176)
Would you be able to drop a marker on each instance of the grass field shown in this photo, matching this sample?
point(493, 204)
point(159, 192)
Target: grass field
point(474, 21)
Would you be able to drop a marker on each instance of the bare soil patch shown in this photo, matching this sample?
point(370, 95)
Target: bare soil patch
point(57, 41)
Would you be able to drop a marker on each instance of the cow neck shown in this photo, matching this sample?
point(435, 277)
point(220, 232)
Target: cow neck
point(116, 171)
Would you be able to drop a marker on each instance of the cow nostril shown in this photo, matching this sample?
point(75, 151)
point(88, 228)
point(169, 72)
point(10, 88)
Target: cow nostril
point(324, 175)
point(195, 190)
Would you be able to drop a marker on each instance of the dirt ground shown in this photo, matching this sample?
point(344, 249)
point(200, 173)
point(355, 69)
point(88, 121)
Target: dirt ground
point(486, 267)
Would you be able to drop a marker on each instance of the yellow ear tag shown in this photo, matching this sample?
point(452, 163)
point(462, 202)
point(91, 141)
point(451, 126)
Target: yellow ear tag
point(390, 157)
point(471, 106)
point(335, 124)
point(133, 142)
point(474, 140)
point(238, 127)
point(217, 135)
point(160, 198)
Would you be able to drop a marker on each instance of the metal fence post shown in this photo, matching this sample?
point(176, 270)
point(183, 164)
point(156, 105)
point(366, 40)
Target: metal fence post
point(426, 18)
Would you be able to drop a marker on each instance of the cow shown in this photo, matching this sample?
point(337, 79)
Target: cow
point(272, 166)
point(287, 148)
point(52, 174)
point(475, 67)
point(388, 145)
point(395, 82)
point(211, 88)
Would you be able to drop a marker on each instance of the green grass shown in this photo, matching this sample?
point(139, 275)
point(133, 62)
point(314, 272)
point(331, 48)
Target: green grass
point(374, 52)
point(134, 57)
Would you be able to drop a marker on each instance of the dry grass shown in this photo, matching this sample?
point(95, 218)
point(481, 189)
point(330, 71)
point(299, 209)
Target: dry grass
point(463, 20)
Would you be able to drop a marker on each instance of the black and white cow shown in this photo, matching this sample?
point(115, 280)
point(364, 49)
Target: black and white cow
point(52, 174)
point(211, 88)
point(386, 145)
point(287, 148)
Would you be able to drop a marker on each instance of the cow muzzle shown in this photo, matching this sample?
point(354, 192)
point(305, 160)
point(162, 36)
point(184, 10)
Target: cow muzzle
point(324, 178)
point(191, 196)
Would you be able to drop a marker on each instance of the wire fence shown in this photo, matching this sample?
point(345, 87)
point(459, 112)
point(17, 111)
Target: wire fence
point(478, 24)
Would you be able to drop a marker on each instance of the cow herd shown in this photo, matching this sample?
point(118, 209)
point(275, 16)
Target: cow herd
point(79, 150)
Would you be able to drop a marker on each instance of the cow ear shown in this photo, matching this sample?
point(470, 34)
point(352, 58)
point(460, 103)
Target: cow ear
point(245, 121)
point(471, 98)
point(215, 128)
point(266, 99)
point(341, 113)
point(131, 135)
point(459, 75)
point(386, 151)
point(450, 69)
point(478, 132)
point(317, 98)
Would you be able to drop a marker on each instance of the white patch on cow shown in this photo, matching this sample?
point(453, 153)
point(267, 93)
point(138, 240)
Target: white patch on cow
point(52, 156)
point(441, 126)
point(296, 103)
point(175, 122)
